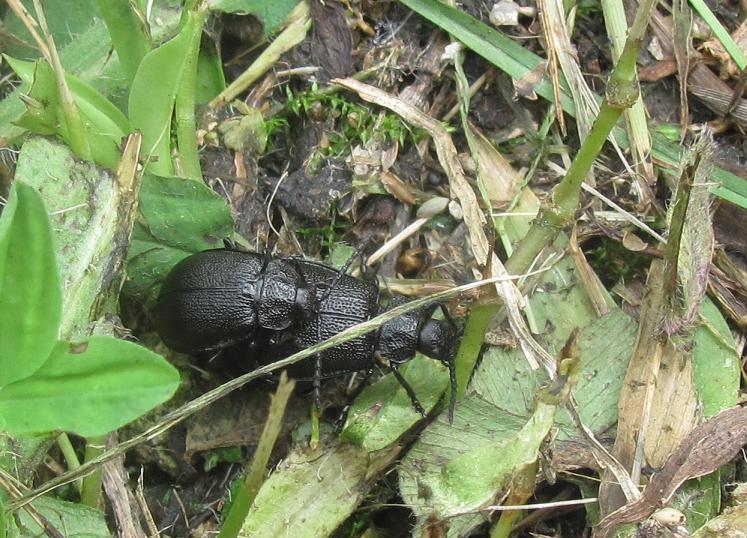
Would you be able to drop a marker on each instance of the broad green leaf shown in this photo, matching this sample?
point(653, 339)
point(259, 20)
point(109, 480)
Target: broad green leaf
point(88, 56)
point(22, 454)
point(151, 102)
point(716, 361)
point(66, 20)
point(472, 480)
point(383, 412)
point(104, 124)
point(88, 211)
point(74, 519)
point(321, 491)
point(89, 388)
point(271, 12)
point(210, 77)
point(181, 216)
point(30, 296)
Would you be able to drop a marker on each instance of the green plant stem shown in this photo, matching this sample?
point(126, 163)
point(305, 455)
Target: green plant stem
point(71, 458)
point(186, 130)
point(521, 492)
point(76, 133)
point(255, 473)
point(129, 33)
point(90, 494)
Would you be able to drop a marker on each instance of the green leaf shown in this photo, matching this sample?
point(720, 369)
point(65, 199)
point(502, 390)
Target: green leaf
point(716, 370)
point(271, 12)
point(210, 77)
point(151, 102)
point(74, 519)
point(181, 217)
point(499, 403)
point(90, 214)
point(472, 479)
point(104, 123)
point(310, 496)
point(30, 295)
point(90, 388)
point(383, 411)
point(66, 20)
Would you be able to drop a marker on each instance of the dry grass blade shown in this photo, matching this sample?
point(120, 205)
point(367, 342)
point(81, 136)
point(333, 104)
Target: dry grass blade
point(705, 449)
point(514, 302)
point(559, 48)
point(447, 156)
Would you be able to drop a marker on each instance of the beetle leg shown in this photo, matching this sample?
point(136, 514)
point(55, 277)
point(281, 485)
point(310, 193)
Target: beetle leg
point(344, 269)
point(410, 392)
point(317, 381)
point(230, 244)
point(340, 422)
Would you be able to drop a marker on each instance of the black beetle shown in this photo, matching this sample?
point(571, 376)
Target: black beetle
point(227, 298)
point(217, 298)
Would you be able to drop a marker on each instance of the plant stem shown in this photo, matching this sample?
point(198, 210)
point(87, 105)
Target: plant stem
point(186, 130)
point(256, 470)
point(71, 458)
point(77, 137)
point(129, 33)
point(90, 494)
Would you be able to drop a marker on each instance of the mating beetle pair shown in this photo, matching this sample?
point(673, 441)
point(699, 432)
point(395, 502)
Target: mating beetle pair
point(226, 298)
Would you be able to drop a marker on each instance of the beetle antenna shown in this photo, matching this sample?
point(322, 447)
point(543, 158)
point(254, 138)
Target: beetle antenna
point(451, 363)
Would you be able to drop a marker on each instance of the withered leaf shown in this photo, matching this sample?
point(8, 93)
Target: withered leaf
point(705, 449)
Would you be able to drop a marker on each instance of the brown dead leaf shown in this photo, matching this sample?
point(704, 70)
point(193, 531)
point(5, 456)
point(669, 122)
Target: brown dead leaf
point(658, 70)
point(633, 243)
point(397, 188)
point(501, 180)
point(705, 449)
point(524, 86)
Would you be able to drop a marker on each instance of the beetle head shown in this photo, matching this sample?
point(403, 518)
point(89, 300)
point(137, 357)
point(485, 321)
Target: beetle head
point(437, 339)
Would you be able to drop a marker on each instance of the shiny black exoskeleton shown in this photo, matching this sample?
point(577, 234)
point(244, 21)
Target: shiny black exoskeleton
point(218, 299)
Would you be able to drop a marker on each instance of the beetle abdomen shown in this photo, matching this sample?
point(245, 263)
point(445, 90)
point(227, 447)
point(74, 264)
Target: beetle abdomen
point(207, 301)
